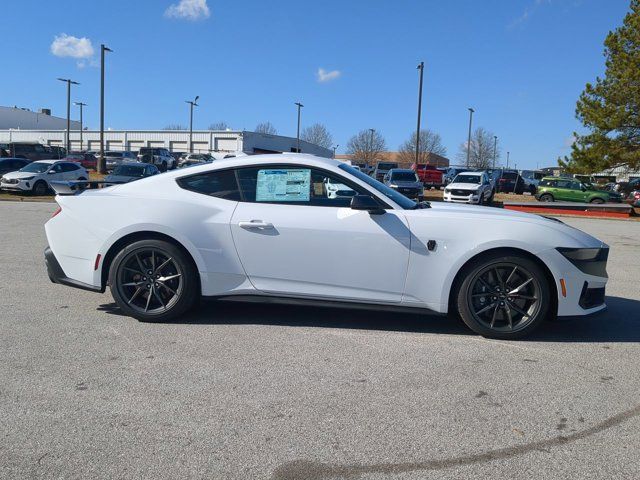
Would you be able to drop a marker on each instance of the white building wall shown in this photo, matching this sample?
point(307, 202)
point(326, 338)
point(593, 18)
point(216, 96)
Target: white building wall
point(174, 140)
point(17, 118)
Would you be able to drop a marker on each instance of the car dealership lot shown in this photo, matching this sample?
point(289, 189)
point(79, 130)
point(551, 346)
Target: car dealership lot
point(260, 391)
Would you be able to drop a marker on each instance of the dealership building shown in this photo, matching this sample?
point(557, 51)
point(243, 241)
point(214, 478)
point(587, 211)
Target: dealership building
point(204, 141)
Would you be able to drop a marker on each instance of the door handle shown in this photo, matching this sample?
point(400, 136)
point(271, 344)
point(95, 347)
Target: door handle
point(256, 224)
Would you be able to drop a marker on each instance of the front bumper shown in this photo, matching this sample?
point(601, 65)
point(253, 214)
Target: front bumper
point(21, 186)
point(472, 198)
point(57, 275)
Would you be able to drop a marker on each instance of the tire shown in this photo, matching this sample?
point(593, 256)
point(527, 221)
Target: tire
point(82, 179)
point(157, 300)
point(498, 312)
point(481, 200)
point(163, 167)
point(40, 188)
point(597, 201)
point(546, 197)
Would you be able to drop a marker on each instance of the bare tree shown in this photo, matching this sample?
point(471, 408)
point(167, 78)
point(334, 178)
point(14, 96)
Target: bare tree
point(430, 142)
point(366, 146)
point(175, 126)
point(222, 125)
point(266, 127)
point(480, 150)
point(318, 135)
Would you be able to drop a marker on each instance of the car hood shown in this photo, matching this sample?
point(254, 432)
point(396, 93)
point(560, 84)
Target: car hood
point(480, 217)
point(464, 186)
point(13, 175)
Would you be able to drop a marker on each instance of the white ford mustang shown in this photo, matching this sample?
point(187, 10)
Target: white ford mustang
point(266, 226)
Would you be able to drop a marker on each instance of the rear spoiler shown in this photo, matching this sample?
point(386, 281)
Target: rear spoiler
point(78, 186)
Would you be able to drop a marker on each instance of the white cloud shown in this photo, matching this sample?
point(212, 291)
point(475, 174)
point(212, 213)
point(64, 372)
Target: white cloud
point(64, 45)
point(324, 76)
point(188, 10)
point(528, 11)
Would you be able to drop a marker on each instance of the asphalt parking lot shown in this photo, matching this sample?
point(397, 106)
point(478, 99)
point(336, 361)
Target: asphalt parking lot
point(243, 391)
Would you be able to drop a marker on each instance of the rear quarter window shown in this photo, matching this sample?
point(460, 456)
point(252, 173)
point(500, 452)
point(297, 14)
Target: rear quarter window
point(220, 184)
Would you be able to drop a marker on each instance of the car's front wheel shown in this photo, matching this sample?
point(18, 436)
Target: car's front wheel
point(503, 296)
point(546, 197)
point(40, 188)
point(153, 280)
point(597, 200)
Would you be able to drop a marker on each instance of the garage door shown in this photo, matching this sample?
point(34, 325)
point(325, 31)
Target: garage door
point(201, 147)
point(178, 146)
point(114, 145)
point(155, 144)
point(94, 145)
point(226, 144)
point(135, 145)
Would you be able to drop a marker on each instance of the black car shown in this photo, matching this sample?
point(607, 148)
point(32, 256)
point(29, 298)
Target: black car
point(12, 164)
point(510, 181)
point(30, 150)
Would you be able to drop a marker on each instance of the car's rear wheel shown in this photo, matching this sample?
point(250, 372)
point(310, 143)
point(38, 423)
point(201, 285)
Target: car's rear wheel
point(597, 201)
point(503, 296)
point(546, 197)
point(153, 281)
point(163, 167)
point(40, 188)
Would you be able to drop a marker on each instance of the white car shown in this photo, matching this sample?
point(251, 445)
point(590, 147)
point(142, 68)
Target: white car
point(335, 190)
point(469, 187)
point(264, 227)
point(37, 176)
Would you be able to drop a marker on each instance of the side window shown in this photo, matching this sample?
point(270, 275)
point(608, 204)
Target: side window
point(57, 168)
point(220, 184)
point(576, 185)
point(296, 186)
point(563, 184)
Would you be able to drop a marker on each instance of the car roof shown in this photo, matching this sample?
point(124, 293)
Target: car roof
point(135, 164)
point(471, 173)
point(401, 170)
point(52, 161)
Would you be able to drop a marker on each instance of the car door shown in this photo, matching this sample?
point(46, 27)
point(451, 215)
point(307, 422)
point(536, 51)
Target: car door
point(575, 192)
point(292, 239)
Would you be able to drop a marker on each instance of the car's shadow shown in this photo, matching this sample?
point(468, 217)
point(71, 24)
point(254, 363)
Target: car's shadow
point(620, 323)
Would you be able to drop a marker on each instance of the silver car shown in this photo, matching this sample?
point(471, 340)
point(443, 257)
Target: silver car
point(114, 158)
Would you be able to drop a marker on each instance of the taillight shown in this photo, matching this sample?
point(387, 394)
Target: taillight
point(58, 210)
point(637, 195)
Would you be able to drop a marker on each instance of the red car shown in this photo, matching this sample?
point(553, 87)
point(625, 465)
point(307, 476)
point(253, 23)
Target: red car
point(429, 175)
point(87, 160)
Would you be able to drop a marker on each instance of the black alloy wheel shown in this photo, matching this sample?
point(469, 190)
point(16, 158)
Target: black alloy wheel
point(504, 297)
point(153, 280)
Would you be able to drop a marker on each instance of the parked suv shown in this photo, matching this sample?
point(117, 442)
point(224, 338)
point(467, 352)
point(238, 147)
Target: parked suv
point(36, 176)
point(510, 181)
point(429, 175)
point(113, 159)
point(571, 190)
point(405, 182)
point(469, 187)
point(382, 168)
point(30, 150)
point(160, 157)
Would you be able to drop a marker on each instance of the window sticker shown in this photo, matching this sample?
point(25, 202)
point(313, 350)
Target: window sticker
point(283, 185)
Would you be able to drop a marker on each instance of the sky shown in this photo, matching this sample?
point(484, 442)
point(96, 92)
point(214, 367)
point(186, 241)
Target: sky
point(520, 64)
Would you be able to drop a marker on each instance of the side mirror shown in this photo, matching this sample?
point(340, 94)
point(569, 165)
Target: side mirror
point(368, 203)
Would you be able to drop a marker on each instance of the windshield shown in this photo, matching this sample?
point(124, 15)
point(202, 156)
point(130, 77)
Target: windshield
point(400, 199)
point(129, 171)
point(467, 179)
point(404, 177)
point(113, 154)
point(387, 166)
point(36, 167)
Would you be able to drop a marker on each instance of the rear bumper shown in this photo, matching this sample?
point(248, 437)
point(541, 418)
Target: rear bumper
point(57, 275)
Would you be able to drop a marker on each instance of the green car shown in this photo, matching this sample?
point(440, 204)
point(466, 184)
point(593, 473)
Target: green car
point(551, 189)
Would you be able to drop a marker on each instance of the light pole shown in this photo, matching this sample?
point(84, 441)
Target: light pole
point(101, 165)
point(80, 104)
point(421, 68)
point(334, 151)
point(471, 110)
point(507, 160)
point(372, 130)
point(298, 132)
point(192, 103)
point(495, 150)
point(69, 82)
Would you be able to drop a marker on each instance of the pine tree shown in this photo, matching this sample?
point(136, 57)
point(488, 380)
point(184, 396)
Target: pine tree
point(610, 108)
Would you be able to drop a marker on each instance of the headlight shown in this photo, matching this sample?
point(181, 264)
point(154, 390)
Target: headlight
point(393, 185)
point(447, 190)
point(592, 261)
